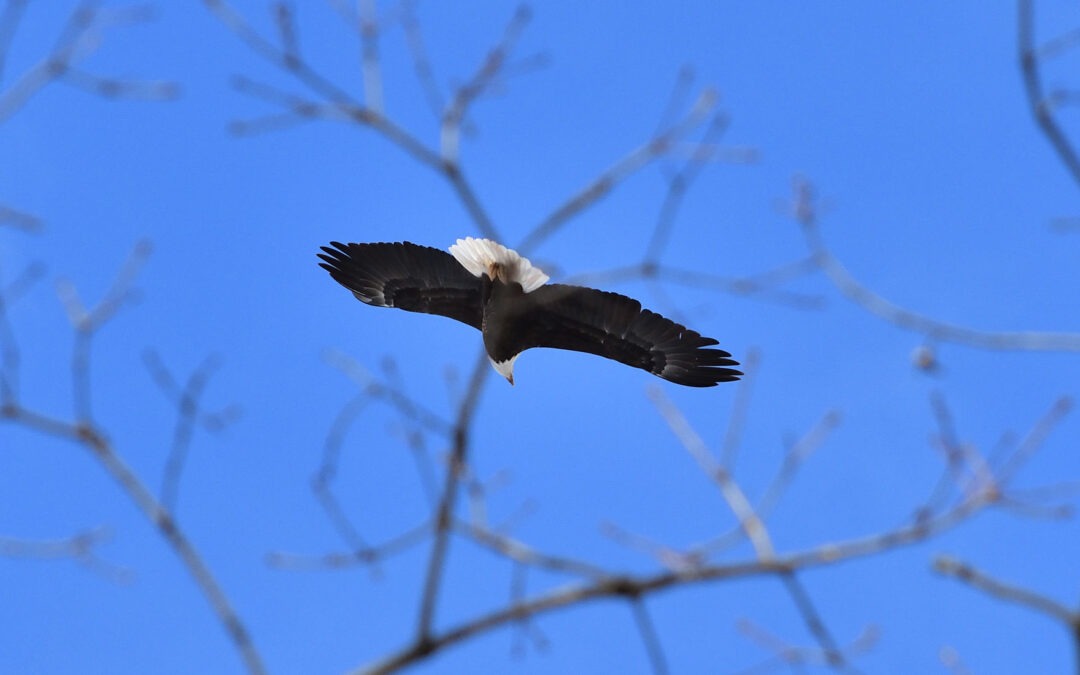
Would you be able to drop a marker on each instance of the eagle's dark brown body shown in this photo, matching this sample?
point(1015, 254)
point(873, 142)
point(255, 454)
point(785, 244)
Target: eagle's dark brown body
point(493, 289)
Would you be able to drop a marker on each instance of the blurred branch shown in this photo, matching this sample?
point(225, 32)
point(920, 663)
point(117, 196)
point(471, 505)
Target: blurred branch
point(425, 74)
point(740, 409)
point(85, 432)
point(9, 23)
point(10, 355)
point(364, 554)
point(436, 567)
point(762, 286)
point(86, 322)
point(733, 494)
point(950, 658)
point(335, 102)
point(525, 554)
point(81, 547)
point(1034, 439)
point(955, 569)
point(649, 637)
point(633, 587)
point(797, 453)
point(795, 657)
point(19, 219)
point(494, 64)
point(975, 491)
point(189, 414)
point(1042, 106)
point(804, 210)
point(678, 185)
point(80, 37)
point(660, 144)
point(371, 388)
point(369, 42)
point(834, 656)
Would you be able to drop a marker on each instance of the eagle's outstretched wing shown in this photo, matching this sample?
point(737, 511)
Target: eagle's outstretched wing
point(406, 276)
point(616, 327)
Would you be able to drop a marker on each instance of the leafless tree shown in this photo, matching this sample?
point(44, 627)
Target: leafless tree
point(689, 139)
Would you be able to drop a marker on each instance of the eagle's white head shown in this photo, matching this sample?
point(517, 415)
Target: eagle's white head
point(506, 368)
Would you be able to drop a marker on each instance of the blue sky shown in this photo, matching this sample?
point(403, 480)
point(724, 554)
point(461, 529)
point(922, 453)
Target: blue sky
point(938, 192)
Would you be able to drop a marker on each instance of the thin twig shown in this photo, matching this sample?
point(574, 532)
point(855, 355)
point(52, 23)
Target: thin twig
point(19, 219)
point(527, 555)
point(10, 354)
point(797, 453)
point(467, 94)
point(740, 506)
point(1034, 439)
point(740, 410)
point(94, 440)
point(1040, 105)
point(79, 38)
point(9, 23)
point(761, 286)
point(369, 55)
point(408, 407)
point(369, 556)
point(678, 185)
point(972, 576)
point(814, 623)
point(425, 74)
point(631, 587)
point(804, 211)
point(436, 567)
point(81, 547)
point(188, 414)
point(649, 637)
point(603, 184)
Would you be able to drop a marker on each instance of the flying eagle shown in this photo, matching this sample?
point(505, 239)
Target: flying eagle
point(495, 290)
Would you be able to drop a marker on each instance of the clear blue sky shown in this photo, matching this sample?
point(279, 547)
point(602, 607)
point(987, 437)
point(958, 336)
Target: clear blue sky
point(909, 117)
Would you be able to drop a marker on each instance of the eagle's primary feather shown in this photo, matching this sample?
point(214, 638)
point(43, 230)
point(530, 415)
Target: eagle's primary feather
point(495, 290)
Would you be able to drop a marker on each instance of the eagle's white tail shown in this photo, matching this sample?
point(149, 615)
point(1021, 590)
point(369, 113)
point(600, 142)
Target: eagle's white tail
point(478, 255)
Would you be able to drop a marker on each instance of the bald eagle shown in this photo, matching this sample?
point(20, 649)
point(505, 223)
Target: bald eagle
point(500, 293)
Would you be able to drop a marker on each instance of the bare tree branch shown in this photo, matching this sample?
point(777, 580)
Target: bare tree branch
point(79, 38)
point(972, 576)
point(425, 74)
point(804, 211)
point(794, 656)
point(90, 437)
point(19, 219)
point(814, 623)
point(655, 147)
point(740, 409)
point(678, 185)
point(633, 587)
point(649, 637)
point(86, 322)
point(1041, 105)
point(466, 95)
point(740, 506)
point(761, 286)
point(9, 23)
point(189, 414)
point(85, 432)
point(81, 547)
point(444, 514)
